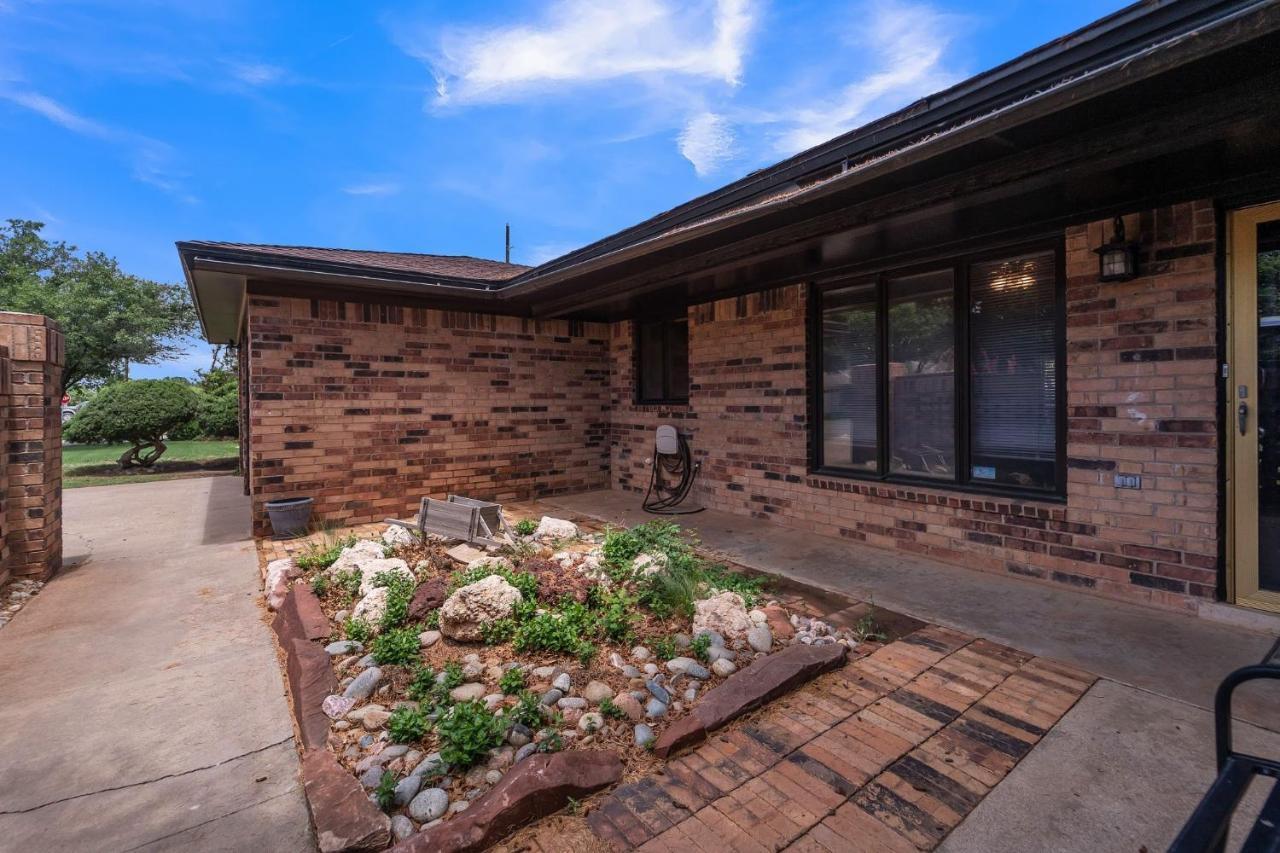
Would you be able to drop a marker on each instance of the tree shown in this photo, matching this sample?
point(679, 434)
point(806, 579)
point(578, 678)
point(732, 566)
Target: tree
point(139, 412)
point(110, 318)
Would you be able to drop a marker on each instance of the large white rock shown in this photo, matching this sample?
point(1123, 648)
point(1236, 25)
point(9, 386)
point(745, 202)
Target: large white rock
point(395, 535)
point(555, 528)
point(477, 604)
point(370, 569)
point(372, 608)
point(280, 573)
point(725, 613)
point(353, 555)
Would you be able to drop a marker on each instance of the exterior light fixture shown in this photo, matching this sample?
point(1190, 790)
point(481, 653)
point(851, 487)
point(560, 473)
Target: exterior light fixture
point(1117, 258)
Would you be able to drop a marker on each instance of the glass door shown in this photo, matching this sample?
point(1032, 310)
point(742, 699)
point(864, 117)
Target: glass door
point(1254, 422)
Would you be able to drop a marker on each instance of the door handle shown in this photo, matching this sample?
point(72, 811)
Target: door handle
point(1242, 417)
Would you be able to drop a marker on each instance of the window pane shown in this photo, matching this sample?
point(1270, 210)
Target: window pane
point(650, 361)
point(678, 360)
point(1013, 369)
point(922, 375)
point(850, 379)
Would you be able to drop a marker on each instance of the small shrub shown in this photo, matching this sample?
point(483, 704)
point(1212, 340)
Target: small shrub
point(617, 615)
point(621, 547)
point(527, 711)
point(407, 725)
point(467, 732)
point(497, 631)
point(663, 647)
point(399, 594)
point(385, 793)
point(526, 526)
point(512, 681)
point(453, 676)
point(357, 630)
point(396, 646)
point(433, 620)
point(551, 743)
point(423, 684)
point(349, 581)
point(552, 632)
point(320, 585)
point(585, 653)
point(610, 710)
point(701, 647)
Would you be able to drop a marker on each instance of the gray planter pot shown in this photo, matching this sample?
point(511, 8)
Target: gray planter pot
point(289, 517)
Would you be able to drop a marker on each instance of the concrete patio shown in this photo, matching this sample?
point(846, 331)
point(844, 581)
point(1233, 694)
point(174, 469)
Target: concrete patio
point(144, 708)
point(1123, 768)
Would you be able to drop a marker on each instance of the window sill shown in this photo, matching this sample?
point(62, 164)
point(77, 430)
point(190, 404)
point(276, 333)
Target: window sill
point(1021, 496)
point(665, 403)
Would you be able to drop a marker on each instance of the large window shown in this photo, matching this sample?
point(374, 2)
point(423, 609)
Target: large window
point(946, 374)
point(662, 361)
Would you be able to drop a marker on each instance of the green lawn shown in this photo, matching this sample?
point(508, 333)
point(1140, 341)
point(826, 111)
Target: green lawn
point(92, 464)
point(80, 455)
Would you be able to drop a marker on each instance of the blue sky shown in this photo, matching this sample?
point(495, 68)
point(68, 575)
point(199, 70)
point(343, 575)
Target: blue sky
point(130, 124)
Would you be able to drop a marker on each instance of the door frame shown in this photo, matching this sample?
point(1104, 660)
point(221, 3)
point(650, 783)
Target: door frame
point(1242, 450)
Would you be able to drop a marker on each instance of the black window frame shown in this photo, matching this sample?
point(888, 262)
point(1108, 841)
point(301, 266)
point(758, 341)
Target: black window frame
point(959, 266)
point(637, 362)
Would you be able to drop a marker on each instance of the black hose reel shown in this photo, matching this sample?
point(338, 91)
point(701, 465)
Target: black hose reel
point(674, 472)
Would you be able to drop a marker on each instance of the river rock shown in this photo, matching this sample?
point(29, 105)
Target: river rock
point(643, 735)
point(363, 685)
point(630, 706)
point(344, 647)
point(596, 692)
point(562, 682)
point(759, 638)
point(401, 827)
point(336, 707)
point(407, 788)
point(591, 722)
point(429, 805)
point(467, 692)
point(724, 667)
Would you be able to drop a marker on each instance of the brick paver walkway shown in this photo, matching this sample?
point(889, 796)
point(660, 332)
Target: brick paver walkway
point(888, 754)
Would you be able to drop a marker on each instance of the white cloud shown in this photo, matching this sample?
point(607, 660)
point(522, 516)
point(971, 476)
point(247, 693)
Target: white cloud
point(257, 73)
point(373, 188)
point(544, 252)
point(588, 41)
point(707, 142)
point(908, 44)
point(151, 159)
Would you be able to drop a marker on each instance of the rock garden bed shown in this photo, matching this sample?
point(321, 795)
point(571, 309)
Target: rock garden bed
point(447, 667)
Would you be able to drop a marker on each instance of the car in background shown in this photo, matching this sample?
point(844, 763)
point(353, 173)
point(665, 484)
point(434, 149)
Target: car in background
point(68, 410)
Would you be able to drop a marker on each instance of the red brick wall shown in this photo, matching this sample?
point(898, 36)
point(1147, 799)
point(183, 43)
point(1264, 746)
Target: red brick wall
point(368, 407)
point(31, 478)
point(1140, 396)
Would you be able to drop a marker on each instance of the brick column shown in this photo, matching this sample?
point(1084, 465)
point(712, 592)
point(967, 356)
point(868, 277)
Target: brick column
point(33, 445)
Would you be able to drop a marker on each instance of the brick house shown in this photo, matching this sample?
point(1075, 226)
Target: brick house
point(904, 336)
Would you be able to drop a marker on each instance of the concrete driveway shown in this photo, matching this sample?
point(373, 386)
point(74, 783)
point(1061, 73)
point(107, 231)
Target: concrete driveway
point(143, 708)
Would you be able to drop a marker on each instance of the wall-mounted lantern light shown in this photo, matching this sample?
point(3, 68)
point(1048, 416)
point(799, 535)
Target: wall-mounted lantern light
point(1117, 259)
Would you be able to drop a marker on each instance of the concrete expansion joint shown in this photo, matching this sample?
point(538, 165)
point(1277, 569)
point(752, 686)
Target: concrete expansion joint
point(143, 782)
point(187, 829)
